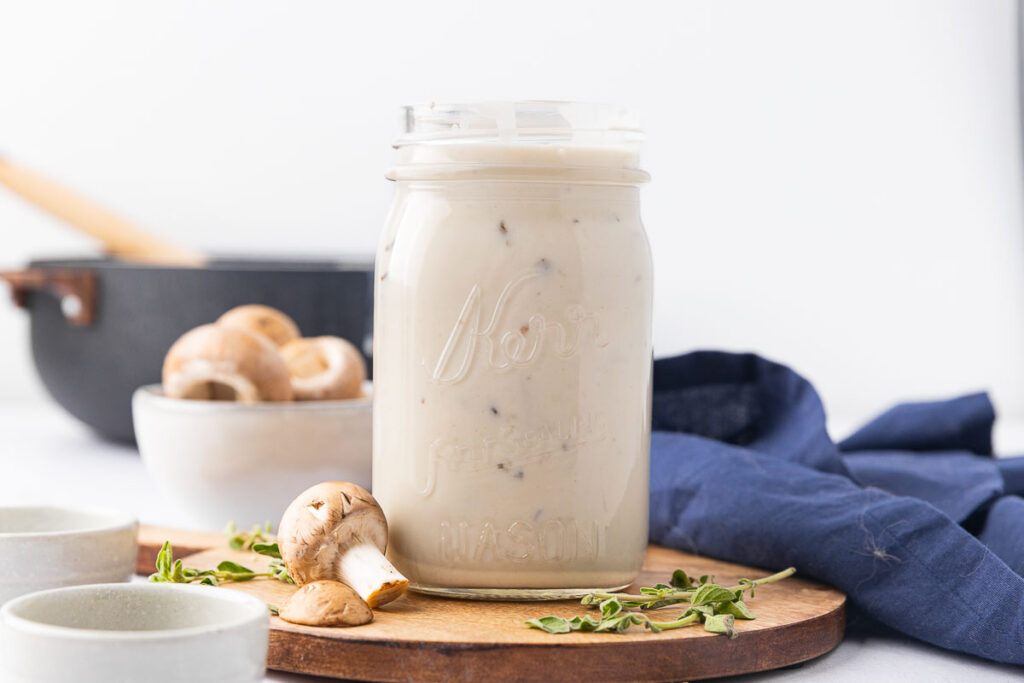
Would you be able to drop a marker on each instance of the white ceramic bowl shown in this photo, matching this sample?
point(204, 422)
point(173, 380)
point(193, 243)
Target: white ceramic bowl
point(129, 633)
point(47, 547)
point(219, 461)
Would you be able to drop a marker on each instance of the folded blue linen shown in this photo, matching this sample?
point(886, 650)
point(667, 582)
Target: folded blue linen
point(742, 468)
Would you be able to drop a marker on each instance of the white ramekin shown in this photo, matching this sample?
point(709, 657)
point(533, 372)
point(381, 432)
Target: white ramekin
point(129, 633)
point(51, 546)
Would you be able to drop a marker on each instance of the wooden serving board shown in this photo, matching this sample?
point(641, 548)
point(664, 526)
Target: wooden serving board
point(422, 638)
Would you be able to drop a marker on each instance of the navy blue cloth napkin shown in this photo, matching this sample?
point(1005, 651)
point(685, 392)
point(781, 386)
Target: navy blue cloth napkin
point(743, 469)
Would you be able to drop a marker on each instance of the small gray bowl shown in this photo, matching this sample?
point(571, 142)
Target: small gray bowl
point(128, 633)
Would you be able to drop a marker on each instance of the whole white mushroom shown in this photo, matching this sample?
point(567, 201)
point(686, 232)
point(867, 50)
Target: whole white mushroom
point(264, 320)
point(324, 368)
point(212, 362)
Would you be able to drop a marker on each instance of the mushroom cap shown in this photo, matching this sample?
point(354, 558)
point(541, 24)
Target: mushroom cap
point(269, 322)
point(322, 523)
point(213, 362)
point(326, 603)
point(324, 368)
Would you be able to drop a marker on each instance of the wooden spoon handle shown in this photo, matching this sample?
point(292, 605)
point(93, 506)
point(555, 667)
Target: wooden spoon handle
point(120, 239)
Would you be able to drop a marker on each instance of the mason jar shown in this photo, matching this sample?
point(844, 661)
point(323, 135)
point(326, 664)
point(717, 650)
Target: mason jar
point(512, 351)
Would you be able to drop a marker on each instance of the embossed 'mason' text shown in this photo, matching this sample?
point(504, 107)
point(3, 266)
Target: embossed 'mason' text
point(554, 540)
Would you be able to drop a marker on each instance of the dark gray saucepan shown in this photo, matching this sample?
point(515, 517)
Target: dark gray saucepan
point(100, 328)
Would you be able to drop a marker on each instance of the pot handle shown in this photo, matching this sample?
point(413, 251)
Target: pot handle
point(74, 289)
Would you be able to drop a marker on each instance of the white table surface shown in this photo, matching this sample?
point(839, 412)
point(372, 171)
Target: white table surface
point(47, 457)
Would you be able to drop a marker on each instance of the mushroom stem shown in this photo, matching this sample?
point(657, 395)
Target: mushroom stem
point(364, 567)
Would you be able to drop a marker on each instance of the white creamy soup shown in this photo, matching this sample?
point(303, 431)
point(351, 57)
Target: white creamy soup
point(512, 356)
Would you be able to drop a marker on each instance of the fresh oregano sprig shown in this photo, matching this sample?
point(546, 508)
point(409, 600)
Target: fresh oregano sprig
point(715, 606)
point(170, 570)
point(245, 540)
point(683, 589)
point(259, 539)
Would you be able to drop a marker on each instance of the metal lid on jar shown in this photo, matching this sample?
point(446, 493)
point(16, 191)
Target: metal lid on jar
point(541, 140)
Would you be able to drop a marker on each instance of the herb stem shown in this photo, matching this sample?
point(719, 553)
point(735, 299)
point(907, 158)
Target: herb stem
point(778, 576)
point(231, 576)
point(693, 618)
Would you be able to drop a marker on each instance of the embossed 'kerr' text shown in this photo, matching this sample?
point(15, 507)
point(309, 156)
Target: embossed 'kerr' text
point(510, 345)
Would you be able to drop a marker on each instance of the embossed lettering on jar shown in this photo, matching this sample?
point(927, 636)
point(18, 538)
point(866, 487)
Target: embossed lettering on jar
point(512, 351)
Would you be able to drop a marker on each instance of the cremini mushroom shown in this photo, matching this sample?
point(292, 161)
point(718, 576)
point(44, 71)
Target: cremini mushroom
point(326, 603)
point(324, 368)
point(335, 530)
point(270, 322)
point(212, 362)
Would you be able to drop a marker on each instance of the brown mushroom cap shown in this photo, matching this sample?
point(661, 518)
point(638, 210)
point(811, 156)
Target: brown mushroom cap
point(317, 526)
point(264, 320)
point(326, 603)
point(324, 368)
point(212, 362)
point(337, 531)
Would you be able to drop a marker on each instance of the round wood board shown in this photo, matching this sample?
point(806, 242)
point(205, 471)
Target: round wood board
point(422, 638)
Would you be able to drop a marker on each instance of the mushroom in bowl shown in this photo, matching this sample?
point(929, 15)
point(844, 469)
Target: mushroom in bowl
point(268, 322)
point(224, 439)
point(324, 368)
point(217, 362)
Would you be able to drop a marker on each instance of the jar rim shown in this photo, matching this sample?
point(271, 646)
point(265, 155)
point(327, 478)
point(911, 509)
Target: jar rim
point(521, 122)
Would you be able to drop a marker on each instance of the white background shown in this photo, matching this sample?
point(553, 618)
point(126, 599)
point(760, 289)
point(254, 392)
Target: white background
point(836, 184)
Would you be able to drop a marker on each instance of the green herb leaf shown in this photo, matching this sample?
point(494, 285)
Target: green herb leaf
point(609, 608)
point(721, 623)
point(274, 611)
point(233, 567)
point(164, 559)
point(550, 624)
point(586, 623)
point(711, 592)
point(656, 589)
point(703, 611)
point(242, 540)
point(617, 623)
point(681, 580)
point(278, 570)
point(737, 608)
point(268, 549)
